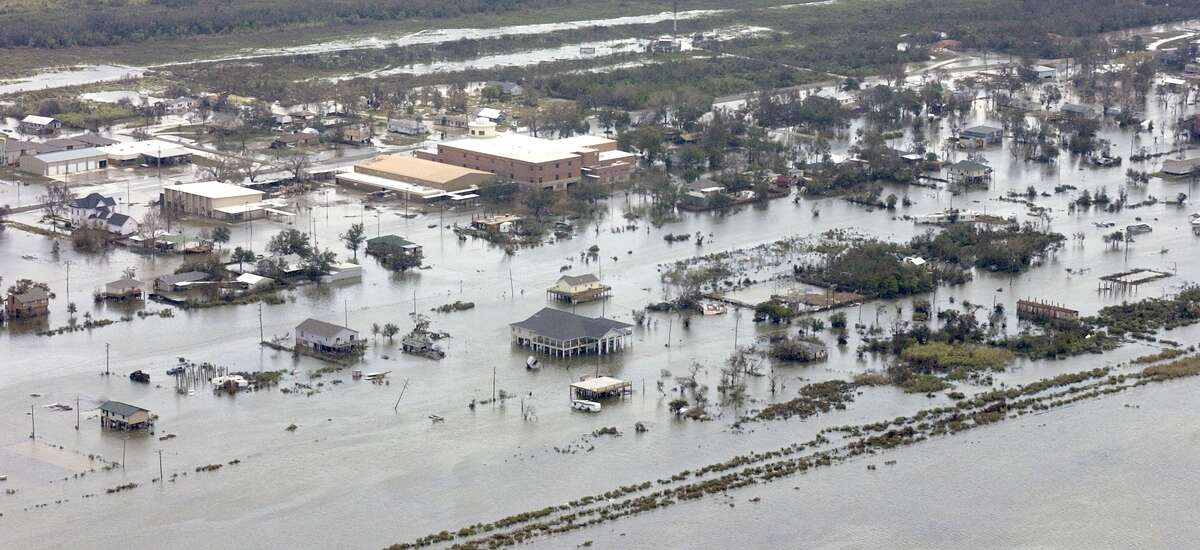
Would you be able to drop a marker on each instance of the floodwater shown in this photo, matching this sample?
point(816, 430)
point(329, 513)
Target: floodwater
point(1098, 474)
point(69, 76)
point(365, 470)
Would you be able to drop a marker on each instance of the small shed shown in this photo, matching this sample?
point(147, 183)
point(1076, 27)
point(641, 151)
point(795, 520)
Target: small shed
point(319, 336)
point(578, 289)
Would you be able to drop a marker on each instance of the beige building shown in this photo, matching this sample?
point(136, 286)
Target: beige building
point(213, 199)
point(418, 177)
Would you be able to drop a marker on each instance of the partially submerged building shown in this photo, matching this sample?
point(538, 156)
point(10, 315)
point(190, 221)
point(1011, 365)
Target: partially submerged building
point(564, 334)
point(396, 251)
point(35, 124)
point(213, 199)
point(115, 415)
point(33, 302)
point(321, 337)
point(983, 133)
point(1038, 309)
point(125, 288)
point(969, 172)
point(600, 387)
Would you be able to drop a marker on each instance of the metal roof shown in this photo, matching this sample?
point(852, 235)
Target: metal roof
point(574, 280)
point(121, 409)
point(321, 328)
point(564, 325)
point(74, 154)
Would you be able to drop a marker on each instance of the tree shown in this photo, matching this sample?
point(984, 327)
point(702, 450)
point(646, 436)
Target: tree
point(565, 120)
point(539, 200)
point(290, 241)
point(242, 255)
point(220, 235)
point(221, 168)
point(354, 238)
point(649, 141)
point(320, 262)
point(298, 165)
point(57, 198)
point(390, 330)
point(150, 225)
point(4, 212)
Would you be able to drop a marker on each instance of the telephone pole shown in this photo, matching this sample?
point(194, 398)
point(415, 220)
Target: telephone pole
point(106, 371)
point(76, 412)
point(160, 469)
point(261, 338)
point(32, 424)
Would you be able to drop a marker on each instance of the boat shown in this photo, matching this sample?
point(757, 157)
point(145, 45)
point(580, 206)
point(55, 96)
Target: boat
point(139, 376)
point(532, 363)
point(436, 418)
point(713, 308)
point(583, 405)
point(3, 478)
point(376, 375)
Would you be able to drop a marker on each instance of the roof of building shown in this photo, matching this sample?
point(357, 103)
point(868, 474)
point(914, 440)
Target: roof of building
point(981, 129)
point(564, 325)
point(1180, 166)
point(35, 119)
point(216, 190)
point(121, 409)
point(124, 283)
point(391, 240)
point(498, 219)
point(14, 145)
point(575, 280)
point(33, 294)
point(321, 328)
point(584, 141)
point(94, 200)
point(65, 143)
point(74, 154)
point(251, 279)
point(600, 384)
point(970, 166)
point(489, 113)
point(94, 139)
point(117, 219)
point(185, 277)
point(517, 147)
point(425, 170)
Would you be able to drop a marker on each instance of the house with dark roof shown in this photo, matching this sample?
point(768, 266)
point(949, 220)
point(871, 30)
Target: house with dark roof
point(321, 337)
point(577, 289)
point(84, 208)
point(115, 415)
point(565, 334)
point(66, 144)
point(395, 249)
point(14, 150)
point(984, 133)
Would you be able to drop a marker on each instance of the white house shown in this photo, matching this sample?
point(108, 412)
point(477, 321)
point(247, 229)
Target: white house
point(117, 224)
point(322, 337)
point(82, 209)
point(577, 289)
point(492, 114)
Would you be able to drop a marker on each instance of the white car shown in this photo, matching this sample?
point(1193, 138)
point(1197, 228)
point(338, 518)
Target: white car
point(583, 405)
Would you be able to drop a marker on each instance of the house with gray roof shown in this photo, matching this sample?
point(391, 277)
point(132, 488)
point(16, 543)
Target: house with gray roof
point(983, 132)
point(115, 415)
point(321, 337)
point(577, 289)
point(61, 163)
point(565, 334)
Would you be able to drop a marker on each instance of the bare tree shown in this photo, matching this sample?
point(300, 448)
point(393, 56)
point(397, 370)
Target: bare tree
point(150, 225)
point(221, 168)
point(298, 165)
point(251, 168)
point(57, 198)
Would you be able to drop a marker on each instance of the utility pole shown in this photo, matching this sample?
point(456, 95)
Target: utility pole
point(32, 424)
point(511, 287)
point(493, 385)
point(396, 407)
point(106, 371)
point(76, 412)
point(123, 442)
point(346, 308)
point(160, 469)
point(68, 266)
point(261, 339)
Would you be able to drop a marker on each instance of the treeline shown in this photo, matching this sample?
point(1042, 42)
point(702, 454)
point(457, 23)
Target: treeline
point(58, 26)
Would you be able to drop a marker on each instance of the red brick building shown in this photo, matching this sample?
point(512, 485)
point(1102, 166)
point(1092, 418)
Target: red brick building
point(553, 164)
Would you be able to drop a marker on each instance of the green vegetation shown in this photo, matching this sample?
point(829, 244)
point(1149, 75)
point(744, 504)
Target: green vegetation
point(872, 268)
point(939, 356)
point(1008, 249)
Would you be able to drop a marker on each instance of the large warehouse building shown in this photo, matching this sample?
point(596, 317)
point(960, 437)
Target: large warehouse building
point(553, 164)
point(213, 199)
point(61, 163)
point(414, 177)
